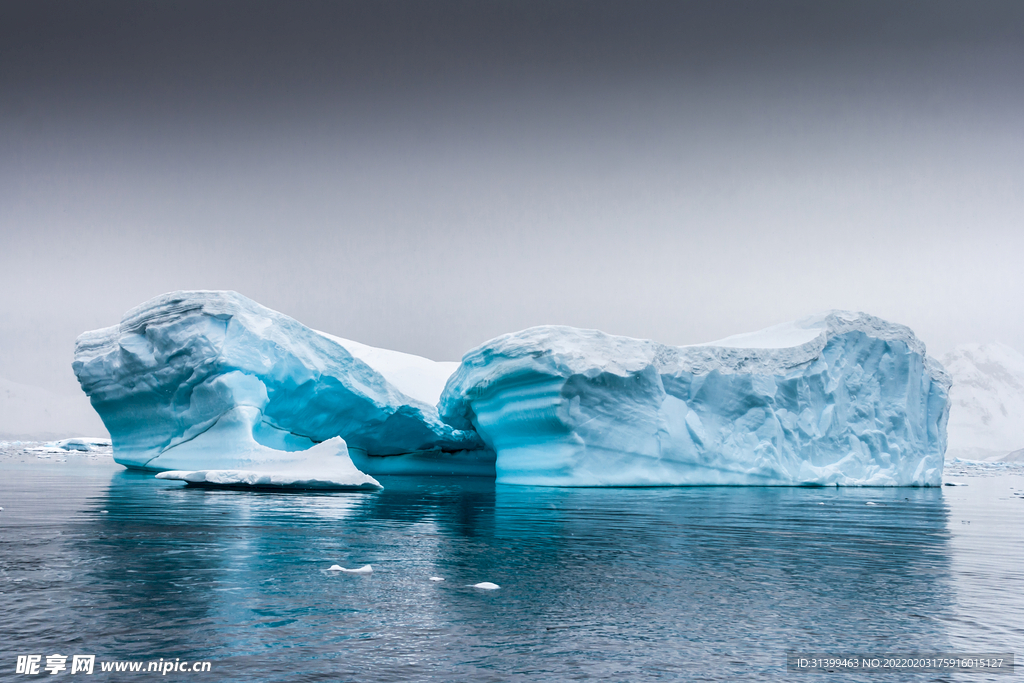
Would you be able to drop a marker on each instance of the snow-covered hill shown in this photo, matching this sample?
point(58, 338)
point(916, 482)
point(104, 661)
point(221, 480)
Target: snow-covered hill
point(35, 413)
point(986, 414)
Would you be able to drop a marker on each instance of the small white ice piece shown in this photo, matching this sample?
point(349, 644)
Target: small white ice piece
point(870, 503)
point(487, 586)
point(432, 578)
point(365, 569)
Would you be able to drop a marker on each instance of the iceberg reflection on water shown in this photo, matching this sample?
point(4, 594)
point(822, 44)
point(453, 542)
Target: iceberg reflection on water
point(716, 583)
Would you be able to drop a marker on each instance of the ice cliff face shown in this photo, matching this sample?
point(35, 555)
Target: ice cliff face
point(986, 414)
point(842, 398)
point(184, 367)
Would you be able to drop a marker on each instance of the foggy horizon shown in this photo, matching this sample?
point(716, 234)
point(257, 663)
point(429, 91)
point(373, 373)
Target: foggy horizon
point(426, 176)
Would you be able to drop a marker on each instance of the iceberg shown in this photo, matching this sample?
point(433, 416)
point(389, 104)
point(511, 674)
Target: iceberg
point(840, 398)
point(81, 444)
point(213, 389)
point(208, 380)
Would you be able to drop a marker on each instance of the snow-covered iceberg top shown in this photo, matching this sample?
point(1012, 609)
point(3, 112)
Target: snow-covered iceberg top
point(838, 398)
point(178, 364)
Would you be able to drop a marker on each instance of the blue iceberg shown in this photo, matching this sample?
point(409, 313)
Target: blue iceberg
point(213, 388)
point(836, 399)
point(197, 380)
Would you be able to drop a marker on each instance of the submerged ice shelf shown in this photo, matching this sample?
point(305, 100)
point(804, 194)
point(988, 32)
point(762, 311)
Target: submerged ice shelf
point(840, 398)
point(216, 388)
point(230, 457)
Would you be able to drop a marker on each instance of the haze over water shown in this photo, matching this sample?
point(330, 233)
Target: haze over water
point(600, 584)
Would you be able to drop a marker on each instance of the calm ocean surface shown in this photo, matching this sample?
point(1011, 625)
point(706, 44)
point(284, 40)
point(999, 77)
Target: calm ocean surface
point(712, 584)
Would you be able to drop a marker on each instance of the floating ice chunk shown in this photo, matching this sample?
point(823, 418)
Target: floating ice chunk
point(266, 480)
point(870, 503)
point(83, 443)
point(365, 569)
point(432, 578)
point(486, 585)
point(835, 399)
point(954, 483)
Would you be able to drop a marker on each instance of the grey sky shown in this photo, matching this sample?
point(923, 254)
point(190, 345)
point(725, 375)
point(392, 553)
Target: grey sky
point(425, 176)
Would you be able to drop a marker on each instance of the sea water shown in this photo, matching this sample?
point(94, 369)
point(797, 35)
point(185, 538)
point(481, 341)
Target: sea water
point(702, 583)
